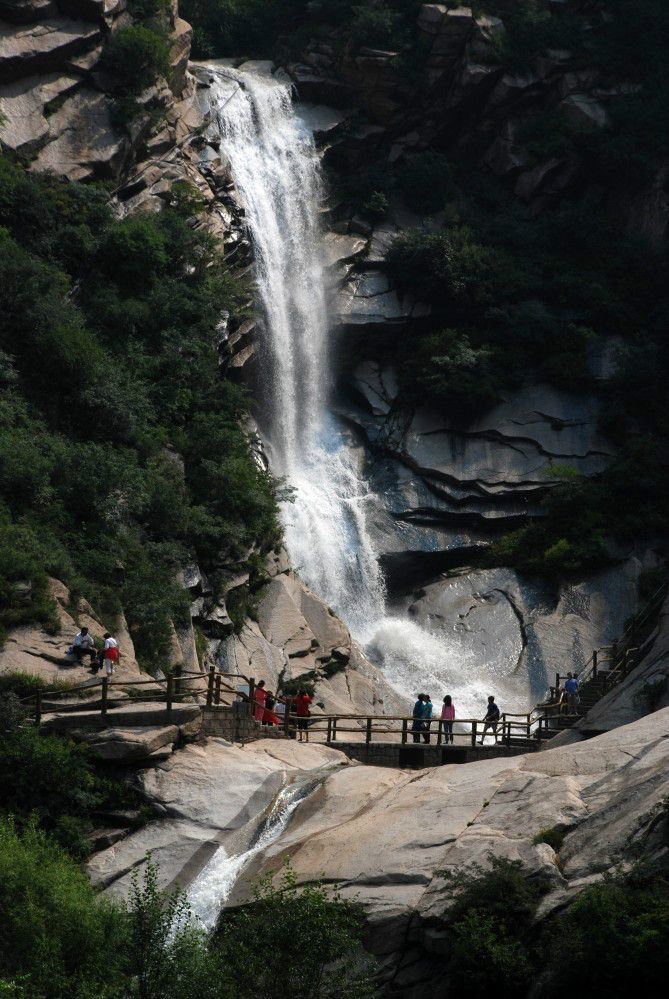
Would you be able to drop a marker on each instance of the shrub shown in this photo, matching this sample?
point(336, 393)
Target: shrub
point(54, 933)
point(134, 57)
point(490, 921)
point(316, 932)
point(613, 937)
point(426, 181)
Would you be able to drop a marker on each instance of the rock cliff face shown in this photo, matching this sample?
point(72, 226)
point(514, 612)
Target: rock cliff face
point(389, 838)
point(56, 110)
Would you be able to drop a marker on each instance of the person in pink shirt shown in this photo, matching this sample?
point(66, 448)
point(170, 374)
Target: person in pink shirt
point(447, 716)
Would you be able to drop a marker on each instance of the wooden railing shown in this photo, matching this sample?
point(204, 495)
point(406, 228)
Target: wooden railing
point(432, 731)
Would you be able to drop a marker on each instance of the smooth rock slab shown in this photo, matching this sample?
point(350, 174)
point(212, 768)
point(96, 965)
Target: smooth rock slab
point(33, 48)
point(130, 745)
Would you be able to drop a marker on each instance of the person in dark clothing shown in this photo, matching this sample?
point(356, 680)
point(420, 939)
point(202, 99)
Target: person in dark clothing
point(492, 716)
point(418, 715)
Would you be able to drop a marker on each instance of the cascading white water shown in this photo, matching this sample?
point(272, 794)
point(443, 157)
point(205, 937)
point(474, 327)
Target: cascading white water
point(276, 170)
point(211, 889)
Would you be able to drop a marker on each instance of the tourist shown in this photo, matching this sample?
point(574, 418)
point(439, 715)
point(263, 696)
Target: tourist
point(418, 715)
point(447, 716)
point(109, 653)
point(491, 718)
point(260, 696)
point(281, 711)
point(83, 645)
point(571, 690)
point(428, 717)
point(302, 702)
point(269, 715)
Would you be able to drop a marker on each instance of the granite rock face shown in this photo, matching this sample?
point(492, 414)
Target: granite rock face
point(390, 838)
point(207, 796)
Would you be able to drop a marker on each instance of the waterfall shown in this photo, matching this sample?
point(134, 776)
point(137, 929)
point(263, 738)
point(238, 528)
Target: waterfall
point(276, 170)
point(212, 887)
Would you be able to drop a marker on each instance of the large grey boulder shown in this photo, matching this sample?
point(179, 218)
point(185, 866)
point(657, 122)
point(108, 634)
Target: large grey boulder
point(205, 794)
point(36, 48)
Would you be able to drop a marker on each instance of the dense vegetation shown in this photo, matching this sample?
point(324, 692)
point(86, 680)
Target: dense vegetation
point(58, 940)
point(611, 939)
point(121, 452)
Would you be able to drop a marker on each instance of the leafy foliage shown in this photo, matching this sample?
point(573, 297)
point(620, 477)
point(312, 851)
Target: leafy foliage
point(121, 453)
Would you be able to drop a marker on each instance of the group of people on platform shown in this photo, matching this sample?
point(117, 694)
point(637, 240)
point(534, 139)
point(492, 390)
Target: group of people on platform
point(270, 709)
point(105, 657)
point(423, 716)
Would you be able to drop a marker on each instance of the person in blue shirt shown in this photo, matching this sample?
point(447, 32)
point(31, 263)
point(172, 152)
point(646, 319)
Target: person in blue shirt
point(427, 716)
point(418, 715)
point(571, 690)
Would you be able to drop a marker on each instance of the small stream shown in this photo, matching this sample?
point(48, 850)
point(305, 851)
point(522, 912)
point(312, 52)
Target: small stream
point(211, 889)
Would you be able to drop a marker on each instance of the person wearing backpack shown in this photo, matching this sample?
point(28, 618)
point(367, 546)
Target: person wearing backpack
point(492, 716)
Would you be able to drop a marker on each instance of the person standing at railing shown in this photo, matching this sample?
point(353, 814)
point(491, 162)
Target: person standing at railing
point(418, 716)
point(447, 716)
point(428, 718)
point(260, 697)
point(302, 702)
point(571, 690)
point(491, 719)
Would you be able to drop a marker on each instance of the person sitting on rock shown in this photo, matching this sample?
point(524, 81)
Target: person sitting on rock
point(492, 716)
point(260, 695)
point(110, 653)
point(83, 645)
point(447, 716)
point(418, 715)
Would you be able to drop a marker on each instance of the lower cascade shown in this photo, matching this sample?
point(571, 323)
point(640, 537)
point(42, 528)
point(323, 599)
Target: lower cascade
point(211, 889)
point(277, 172)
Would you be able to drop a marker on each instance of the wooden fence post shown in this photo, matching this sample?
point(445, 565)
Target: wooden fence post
point(334, 729)
point(169, 695)
point(252, 696)
point(439, 726)
point(103, 700)
point(210, 687)
point(329, 737)
point(368, 731)
point(405, 729)
point(217, 689)
point(595, 655)
point(473, 733)
point(177, 680)
point(38, 707)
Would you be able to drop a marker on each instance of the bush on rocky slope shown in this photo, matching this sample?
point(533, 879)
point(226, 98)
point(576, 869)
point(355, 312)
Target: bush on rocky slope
point(58, 940)
point(121, 452)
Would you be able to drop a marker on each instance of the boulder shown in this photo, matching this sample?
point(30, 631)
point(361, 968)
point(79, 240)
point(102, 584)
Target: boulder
point(40, 47)
point(30, 649)
point(206, 794)
point(86, 143)
point(182, 36)
point(25, 105)
point(131, 745)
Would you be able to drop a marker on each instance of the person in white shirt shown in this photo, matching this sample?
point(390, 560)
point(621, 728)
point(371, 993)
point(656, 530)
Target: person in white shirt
point(110, 653)
point(83, 645)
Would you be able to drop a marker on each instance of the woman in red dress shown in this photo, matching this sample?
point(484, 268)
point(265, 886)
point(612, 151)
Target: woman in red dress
point(260, 697)
point(269, 716)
